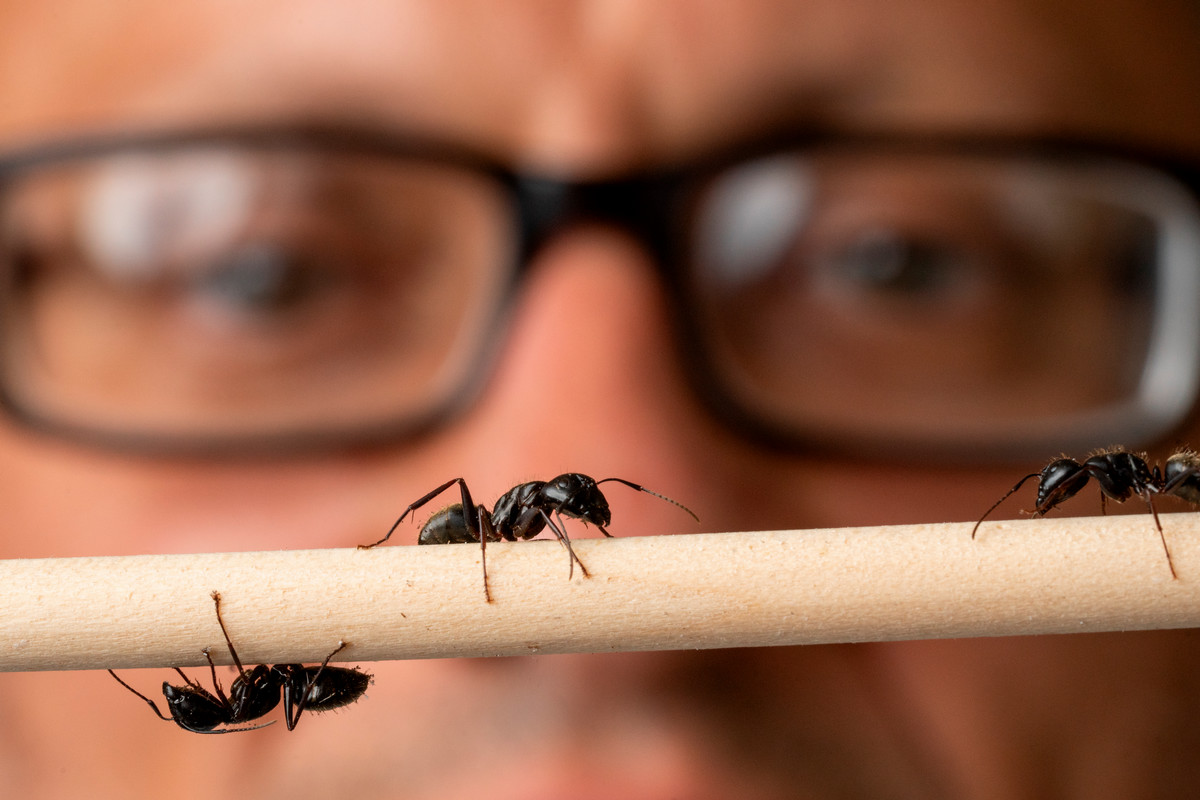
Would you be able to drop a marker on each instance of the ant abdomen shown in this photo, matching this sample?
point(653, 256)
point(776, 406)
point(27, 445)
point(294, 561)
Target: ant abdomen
point(327, 688)
point(1181, 474)
point(448, 526)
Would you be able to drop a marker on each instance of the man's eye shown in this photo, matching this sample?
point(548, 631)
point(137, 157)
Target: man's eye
point(887, 262)
point(260, 278)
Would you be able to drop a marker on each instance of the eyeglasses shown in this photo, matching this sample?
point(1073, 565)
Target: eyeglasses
point(247, 290)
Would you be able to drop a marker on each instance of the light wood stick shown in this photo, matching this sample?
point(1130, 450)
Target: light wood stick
point(649, 593)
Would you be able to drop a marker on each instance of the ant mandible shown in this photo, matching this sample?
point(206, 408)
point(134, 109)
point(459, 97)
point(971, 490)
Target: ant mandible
point(255, 693)
point(522, 512)
point(1120, 475)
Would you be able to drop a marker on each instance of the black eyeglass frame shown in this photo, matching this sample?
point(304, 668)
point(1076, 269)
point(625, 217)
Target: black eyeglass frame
point(650, 205)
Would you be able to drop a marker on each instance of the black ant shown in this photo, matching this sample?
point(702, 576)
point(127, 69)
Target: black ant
point(255, 693)
point(1121, 475)
point(522, 512)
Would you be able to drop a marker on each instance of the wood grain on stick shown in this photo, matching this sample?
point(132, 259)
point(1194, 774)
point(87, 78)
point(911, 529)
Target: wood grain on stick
point(650, 593)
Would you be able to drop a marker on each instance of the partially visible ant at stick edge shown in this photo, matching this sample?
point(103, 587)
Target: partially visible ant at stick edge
point(522, 512)
point(255, 693)
point(1120, 475)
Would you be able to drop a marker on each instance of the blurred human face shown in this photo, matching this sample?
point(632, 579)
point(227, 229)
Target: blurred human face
point(587, 381)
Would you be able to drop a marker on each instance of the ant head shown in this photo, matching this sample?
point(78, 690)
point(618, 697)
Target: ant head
point(578, 496)
point(1058, 477)
point(193, 708)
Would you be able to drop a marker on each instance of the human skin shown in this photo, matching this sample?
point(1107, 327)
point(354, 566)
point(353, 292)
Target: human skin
point(587, 381)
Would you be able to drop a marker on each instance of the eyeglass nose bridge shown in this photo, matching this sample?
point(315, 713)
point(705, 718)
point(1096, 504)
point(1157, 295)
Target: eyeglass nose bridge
point(644, 207)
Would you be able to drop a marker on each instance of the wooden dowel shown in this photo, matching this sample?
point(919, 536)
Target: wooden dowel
point(650, 593)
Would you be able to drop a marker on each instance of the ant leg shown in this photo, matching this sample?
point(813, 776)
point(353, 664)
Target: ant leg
point(216, 683)
point(216, 596)
point(149, 702)
point(418, 503)
point(485, 530)
point(293, 718)
point(1157, 524)
point(560, 532)
point(641, 488)
point(387, 535)
point(189, 681)
point(1007, 495)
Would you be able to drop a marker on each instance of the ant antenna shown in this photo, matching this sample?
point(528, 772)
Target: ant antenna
point(996, 505)
point(633, 485)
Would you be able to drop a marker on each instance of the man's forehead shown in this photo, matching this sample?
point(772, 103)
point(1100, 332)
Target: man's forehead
point(563, 86)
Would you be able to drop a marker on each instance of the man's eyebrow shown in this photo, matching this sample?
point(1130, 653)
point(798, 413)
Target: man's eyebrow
point(796, 107)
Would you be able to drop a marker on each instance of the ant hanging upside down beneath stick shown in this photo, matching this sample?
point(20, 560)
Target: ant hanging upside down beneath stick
point(522, 512)
point(1120, 475)
point(255, 693)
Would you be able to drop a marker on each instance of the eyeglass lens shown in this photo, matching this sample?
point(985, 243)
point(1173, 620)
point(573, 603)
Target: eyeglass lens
point(225, 292)
point(940, 298)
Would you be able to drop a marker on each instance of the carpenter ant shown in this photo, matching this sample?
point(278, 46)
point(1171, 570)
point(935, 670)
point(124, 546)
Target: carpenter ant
point(522, 512)
point(1121, 475)
point(255, 693)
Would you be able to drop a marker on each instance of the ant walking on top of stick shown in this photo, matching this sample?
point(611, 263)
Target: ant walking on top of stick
point(255, 693)
point(522, 512)
point(1120, 475)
